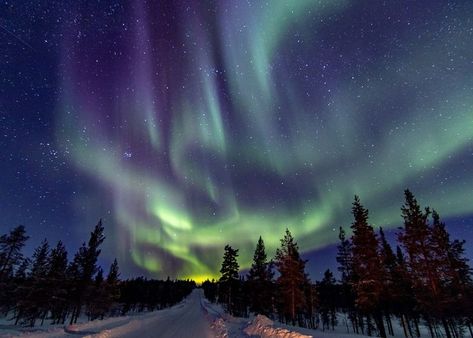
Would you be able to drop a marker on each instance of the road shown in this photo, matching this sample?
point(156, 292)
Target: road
point(187, 319)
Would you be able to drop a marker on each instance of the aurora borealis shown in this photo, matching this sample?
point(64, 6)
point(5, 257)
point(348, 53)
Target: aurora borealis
point(192, 124)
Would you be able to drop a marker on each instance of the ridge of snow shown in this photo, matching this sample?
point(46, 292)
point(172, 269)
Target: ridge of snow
point(263, 326)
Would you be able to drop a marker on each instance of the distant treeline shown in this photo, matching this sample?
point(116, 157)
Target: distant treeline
point(49, 287)
point(425, 279)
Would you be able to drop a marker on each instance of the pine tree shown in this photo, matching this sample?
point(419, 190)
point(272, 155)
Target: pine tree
point(389, 266)
point(10, 250)
point(422, 263)
point(83, 269)
point(292, 279)
point(368, 285)
point(454, 272)
point(327, 297)
point(113, 274)
point(58, 283)
point(210, 290)
point(35, 304)
point(345, 257)
point(260, 282)
point(97, 297)
point(229, 281)
point(10, 258)
point(345, 267)
point(112, 285)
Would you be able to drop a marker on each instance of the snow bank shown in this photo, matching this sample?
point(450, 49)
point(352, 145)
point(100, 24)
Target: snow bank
point(219, 328)
point(263, 326)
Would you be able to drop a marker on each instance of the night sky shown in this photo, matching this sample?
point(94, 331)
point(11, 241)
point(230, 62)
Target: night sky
point(187, 125)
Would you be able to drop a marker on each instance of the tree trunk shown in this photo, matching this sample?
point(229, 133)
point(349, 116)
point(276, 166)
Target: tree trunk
point(354, 323)
point(361, 324)
point(446, 328)
point(368, 324)
point(72, 316)
point(293, 305)
point(346, 323)
point(378, 319)
point(416, 323)
point(409, 326)
point(469, 329)
point(389, 325)
point(19, 315)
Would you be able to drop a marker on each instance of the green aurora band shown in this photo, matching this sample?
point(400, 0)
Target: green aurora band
point(192, 167)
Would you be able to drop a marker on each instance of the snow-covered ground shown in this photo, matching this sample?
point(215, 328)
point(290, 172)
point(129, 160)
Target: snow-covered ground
point(194, 317)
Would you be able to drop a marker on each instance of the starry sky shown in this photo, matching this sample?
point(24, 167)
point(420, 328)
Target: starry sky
point(187, 125)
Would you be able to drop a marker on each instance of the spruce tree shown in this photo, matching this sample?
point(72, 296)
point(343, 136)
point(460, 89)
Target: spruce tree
point(345, 267)
point(292, 279)
point(229, 281)
point(345, 257)
point(260, 282)
point(404, 303)
point(97, 300)
point(10, 251)
point(389, 267)
point(368, 281)
point(35, 304)
point(58, 283)
point(327, 297)
point(454, 271)
point(422, 263)
point(112, 285)
point(83, 269)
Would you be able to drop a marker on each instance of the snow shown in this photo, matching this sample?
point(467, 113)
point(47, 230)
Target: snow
point(263, 327)
point(194, 317)
point(183, 320)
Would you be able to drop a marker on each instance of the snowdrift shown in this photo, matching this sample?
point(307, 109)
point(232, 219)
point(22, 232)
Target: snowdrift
point(263, 326)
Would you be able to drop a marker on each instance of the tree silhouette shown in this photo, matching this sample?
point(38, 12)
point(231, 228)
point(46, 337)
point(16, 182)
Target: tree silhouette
point(367, 283)
point(228, 283)
point(292, 279)
point(259, 281)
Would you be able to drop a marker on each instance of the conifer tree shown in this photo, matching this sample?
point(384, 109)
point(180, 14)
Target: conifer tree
point(260, 281)
point(327, 301)
point(57, 283)
point(229, 281)
point(292, 279)
point(35, 302)
point(10, 250)
point(367, 284)
point(11, 258)
point(83, 269)
point(112, 285)
point(345, 267)
point(422, 263)
point(113, 274)
point(404, 303)
point(454, 272)
point(389, 267)
point(345, 257)
point(97, 300)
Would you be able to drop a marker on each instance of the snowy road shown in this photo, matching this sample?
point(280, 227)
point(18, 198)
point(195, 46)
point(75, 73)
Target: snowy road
point(194, 317)
point(186, 320)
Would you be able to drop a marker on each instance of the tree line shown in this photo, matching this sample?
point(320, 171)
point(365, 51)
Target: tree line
point(49, 287)
point(426, 280)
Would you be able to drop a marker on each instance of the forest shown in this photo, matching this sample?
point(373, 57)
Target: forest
point(47, 287)
point(425, 280)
